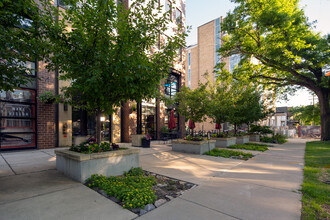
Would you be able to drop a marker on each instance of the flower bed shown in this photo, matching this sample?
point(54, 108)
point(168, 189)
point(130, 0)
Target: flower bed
point(193, 146)
point(229, 154)
point(137, 190)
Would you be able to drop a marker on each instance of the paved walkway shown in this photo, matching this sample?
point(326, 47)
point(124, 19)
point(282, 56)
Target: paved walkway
point(265, 187)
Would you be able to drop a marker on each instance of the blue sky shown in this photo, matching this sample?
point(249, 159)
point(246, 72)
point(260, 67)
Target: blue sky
point(199, 12)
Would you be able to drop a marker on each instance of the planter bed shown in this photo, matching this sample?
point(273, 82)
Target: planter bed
point(242, 139)
point(224, 142)
point(255, 137)
point(80, 166)
point(193, 147)
point(164, 189)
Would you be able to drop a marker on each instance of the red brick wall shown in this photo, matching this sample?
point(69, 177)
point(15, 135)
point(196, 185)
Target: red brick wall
point(45, 112)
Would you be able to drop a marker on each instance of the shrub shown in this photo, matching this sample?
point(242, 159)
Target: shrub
point(277, 139)
point(191, 138)
point(133, 189)
point(260, 129)
point(222, 135)
point(90, 147)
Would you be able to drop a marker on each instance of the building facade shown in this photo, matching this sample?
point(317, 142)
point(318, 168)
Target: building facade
point(27, 122)
point(203, 57)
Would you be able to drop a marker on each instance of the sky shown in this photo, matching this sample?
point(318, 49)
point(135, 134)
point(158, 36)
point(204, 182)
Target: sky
point(199, 12)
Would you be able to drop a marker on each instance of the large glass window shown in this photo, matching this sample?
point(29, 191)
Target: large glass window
point(149, 117)
point(17, 119)
point(178, 16)
point(171, 86)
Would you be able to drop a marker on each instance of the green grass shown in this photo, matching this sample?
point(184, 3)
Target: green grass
point(316, 193)
point(249, 146)
point(228, 153)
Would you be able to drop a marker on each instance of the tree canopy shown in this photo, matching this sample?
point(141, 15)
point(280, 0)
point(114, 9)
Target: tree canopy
point(20, 42)
point(278, 49)
point(110, 53)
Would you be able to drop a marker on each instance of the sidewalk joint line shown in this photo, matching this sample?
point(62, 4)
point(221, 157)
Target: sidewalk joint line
point(209, 208)
point(42, 194)
point(8, 165)
point(47, 153)
point(19, 174)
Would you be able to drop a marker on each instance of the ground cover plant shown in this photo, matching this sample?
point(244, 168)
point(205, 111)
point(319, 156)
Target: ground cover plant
point(277, 139)
point(133, 189)
point(229, 154)
point(138, 190)
point(249, 147)
point(315, 188)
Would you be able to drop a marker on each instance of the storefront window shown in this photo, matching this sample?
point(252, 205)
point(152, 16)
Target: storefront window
point(17, 119)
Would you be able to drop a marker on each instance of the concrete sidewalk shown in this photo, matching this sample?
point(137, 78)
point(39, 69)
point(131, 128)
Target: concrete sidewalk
point(265, 187)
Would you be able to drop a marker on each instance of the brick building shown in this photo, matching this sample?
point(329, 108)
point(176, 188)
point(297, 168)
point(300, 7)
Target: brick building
point(28, 123)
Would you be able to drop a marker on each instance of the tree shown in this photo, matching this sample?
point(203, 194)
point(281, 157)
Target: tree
point(247, 108)
point(108, 52)
point(277, 34)
point(235, 102)
point(307, 115)
point(20, 42)
point(193, 104)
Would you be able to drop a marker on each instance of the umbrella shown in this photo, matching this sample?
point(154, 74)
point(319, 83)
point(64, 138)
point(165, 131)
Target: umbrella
point(217, 126)
point(191, 124)
point(171, 123)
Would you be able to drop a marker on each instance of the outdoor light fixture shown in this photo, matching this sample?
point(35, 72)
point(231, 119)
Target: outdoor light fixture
point(102, 118)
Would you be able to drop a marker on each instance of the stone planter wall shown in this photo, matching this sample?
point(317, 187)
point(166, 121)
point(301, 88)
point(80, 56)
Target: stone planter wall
point(136, 140)
point(225, 142)
point(242, 139)
point(80, 166)
point(193, 147)
point(255, 138)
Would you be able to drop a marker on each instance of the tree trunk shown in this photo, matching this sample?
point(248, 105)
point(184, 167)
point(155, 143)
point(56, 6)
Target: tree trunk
point(98, 127)
point(324, 97)
point(235, 128)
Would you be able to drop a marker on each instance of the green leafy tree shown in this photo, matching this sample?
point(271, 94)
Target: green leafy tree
point(20, 41)
point(277, 35)
point(193, 104)
point(108, 52)
point(247, 107)
point(235, 102)
point(307, 115)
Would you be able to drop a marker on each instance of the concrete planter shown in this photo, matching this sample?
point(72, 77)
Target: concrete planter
point(242, 139)
point(225, 142)
point(255, 137)
point(136, 140)
point(193, 147)
point(80, 166)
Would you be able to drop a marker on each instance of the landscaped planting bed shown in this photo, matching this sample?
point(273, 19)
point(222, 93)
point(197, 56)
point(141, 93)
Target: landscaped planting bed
point(137, 190)
point(249, 146)
point(229, 154)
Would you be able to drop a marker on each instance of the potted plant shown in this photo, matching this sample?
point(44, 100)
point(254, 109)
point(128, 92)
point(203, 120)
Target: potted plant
point(146, 141)
point(47, 97)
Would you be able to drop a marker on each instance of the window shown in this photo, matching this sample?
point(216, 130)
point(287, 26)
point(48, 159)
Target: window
point(17, 119)
point(168, 8)
point(64, 3)
point(178, 16)
point(171, 86)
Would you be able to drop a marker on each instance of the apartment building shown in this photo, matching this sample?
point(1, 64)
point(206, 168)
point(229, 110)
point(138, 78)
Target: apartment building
point(28, 123)
point(202, 58)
